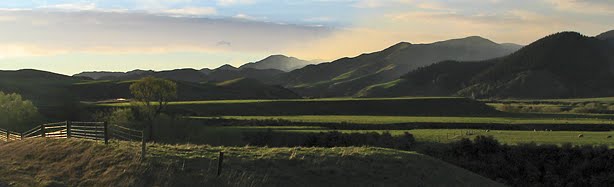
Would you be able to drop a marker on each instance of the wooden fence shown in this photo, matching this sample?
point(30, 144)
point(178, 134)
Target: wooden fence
point(99, 131)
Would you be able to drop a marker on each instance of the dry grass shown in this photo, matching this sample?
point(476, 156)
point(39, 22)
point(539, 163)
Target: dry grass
point(67, 163)
point(86, 163)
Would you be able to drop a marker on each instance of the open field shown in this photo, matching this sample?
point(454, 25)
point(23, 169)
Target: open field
point(67, 162)
point(394, 115)
point(603, 105)
point(572, 100)
point(288, 100)
point(421, 119)
point(231, 135)
point(423, 106)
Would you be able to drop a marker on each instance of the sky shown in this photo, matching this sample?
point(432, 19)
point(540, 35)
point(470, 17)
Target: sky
point(71, 36)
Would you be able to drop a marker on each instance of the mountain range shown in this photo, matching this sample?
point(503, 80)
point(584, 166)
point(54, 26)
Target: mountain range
point(347, 76)
point(265, 70)
point(565, 64)
point(343, 77)
point(561, 65)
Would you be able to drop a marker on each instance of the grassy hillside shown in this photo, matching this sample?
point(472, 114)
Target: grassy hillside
point(48, 91)
point(236, 89)
point(85, 163)
point(419, 106)
point(562, 65)
point(440, 79)
point(347, 76)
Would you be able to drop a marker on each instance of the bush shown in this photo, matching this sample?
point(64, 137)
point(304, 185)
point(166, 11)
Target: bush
point(119, 116)
point(522, 108)
point(17, 114)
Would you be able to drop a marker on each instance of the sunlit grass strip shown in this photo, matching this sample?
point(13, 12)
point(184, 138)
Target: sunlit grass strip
point(286, 100)
point(418, 119)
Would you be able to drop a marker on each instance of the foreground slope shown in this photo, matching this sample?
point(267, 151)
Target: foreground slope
point(86, 163)
point(561, 65)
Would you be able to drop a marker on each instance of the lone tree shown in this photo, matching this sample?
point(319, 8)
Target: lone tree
point(152, 96)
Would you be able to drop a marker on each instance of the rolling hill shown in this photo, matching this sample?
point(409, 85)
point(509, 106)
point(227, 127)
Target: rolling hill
point(561, 65)
point(57, 96)
point(48, 91)
point(278, 62)
point(347, 76)
point(241, 88)
point(220, 74)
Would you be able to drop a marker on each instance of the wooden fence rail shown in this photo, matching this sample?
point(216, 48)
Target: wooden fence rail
point(98, 131)
point(74, 129)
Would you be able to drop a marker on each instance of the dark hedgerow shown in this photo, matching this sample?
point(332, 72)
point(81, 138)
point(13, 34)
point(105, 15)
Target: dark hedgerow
point(329, 139)
point(531, 164)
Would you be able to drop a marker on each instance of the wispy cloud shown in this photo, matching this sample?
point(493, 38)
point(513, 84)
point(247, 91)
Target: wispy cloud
point(70, 6)
point(192, 11)
point(111, 32)
point(604, 7)
point(234, 2)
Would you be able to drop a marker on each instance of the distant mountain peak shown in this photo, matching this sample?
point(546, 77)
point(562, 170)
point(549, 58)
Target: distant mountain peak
point(467, 41)
point(227, 67)
point(279, 62)
point(398, 46)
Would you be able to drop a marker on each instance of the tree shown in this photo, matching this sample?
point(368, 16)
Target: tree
point(152, 96)
point(17, 114)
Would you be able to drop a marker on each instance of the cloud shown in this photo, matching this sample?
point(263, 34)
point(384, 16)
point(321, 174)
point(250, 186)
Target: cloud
point(48, 33)
point(70, 6)
point(234, 2)
point(223, 43)
point(602, 7)
point(248, 17)
point(368, 4)
point(192, 11)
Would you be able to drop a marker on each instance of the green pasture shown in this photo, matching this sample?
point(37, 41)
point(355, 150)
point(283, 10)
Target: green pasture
point(284, 100)
point(571, 119)
point(231, 135)
point(571, 100)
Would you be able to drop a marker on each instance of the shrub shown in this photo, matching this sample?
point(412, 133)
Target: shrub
point(17, 114)
point(118, 116)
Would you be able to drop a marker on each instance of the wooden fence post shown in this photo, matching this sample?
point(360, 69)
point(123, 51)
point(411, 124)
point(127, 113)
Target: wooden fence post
point(143, 146)
point(68, 129)
point(220, 161)
point(43, 131)
point(21, 136)
point(106, 133)
point(7, 135)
